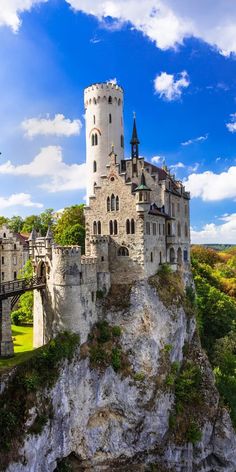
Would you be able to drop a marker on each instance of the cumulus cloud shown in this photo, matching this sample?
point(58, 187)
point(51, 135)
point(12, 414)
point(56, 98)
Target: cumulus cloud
point(232, 125)
point(58, 126)
point(212, 187)
point(217, 233)
point(168, 22)
point(11, 9)
point(178, 165)
point(199, 139)
point(170, 87)
point(49, 164)
point(158, 160)
point(18, 200)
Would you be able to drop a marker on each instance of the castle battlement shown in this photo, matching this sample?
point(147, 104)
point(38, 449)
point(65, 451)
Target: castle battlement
point(87, 260)
point(100, 239)
point(103, 87)
point(67, 250)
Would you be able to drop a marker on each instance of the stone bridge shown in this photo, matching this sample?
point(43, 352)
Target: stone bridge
point(10, 293)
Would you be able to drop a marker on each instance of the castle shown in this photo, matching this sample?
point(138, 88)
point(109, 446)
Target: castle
point(137, 218)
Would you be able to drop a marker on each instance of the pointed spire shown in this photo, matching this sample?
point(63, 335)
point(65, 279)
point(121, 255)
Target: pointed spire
point(134, 140)
point(33, 235)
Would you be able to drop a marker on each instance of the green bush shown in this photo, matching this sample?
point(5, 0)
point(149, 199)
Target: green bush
point(187, 384)
point(168, 348)
point(64, 466)
point(104, 332)
point(38, 424)
point(31, 381)
point(15, 317)
point(193, 433)
point(139, 376)
point(116, 359)
point(98, 355)
point(164, 269)
point(116, 331)
point(99, 294)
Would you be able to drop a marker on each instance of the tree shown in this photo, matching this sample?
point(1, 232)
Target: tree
point(3, 221)
point(70, 227)
point(15, 224)
point(46, 220)
point(24, 313)
point(30, 222)
point(205, 255)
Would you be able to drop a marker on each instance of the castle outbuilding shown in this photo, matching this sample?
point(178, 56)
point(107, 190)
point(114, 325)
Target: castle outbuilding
point(137, 218)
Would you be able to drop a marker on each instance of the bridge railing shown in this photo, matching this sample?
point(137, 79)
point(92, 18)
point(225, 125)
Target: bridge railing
point(21, 285)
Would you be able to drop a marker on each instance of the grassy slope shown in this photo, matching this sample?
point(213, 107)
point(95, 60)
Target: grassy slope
point(23, 346)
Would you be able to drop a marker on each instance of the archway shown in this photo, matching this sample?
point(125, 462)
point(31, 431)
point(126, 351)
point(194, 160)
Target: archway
point(172, 255)
point(179, 256)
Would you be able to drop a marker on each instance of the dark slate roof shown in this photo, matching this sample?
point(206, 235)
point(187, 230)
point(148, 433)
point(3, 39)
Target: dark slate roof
point(134, 139)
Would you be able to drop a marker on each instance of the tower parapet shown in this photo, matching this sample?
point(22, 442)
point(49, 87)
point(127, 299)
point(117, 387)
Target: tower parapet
point(104, 128)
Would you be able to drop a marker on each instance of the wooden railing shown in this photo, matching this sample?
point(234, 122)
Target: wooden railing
point(14, 287)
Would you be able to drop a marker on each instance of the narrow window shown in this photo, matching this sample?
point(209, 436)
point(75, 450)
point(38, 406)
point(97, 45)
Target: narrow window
point(140, 196)
point(94, 166)
point(111, 227)
point(173, 209)
point(122, 141)
point(14, 246)
point(123, 251)
point(2, 260)
point(94, 227)
point(95, 139)
point(4, 235)
point(186, 230)
point(179, 229)
point(185, 255)
point(115, 227)
point(15, 275)
point(92, 139)
point(169, 229)
point(94, 119)
point(151, 257)
point(108, 204)
point(154, 229)
point(113, 202)
point(132, 226)
point(147, 227)
point(110, 100)
point(99, 227)
point(110, 118)
point(160, 228)
point(92, 296)
point(160, 258)
point(127, 227)
point(2, 275)
point(117, 203)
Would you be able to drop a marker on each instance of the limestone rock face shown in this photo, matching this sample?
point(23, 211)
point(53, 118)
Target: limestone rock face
point(111, 421)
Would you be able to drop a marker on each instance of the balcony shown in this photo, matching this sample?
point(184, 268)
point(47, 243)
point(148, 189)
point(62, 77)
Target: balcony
point(170, 239)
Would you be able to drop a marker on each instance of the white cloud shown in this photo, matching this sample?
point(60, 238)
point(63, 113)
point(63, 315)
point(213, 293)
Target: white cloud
point(169, 22)
point(58, 126)
point(112, 81)
point(217, 233)
point(178, 165)
point(232, 126)
point(169, 87)
point(10, 11)
point(211, 187)
point(49, 164)
point(159, 160)
point(195, 140)
point(18, 199)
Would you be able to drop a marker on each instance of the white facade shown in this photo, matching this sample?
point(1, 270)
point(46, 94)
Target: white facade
point(104, 129)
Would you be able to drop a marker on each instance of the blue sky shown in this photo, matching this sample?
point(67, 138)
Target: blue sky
point(178, 69)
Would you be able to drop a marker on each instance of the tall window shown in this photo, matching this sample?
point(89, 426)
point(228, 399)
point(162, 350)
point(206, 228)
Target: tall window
point(147, 227)
point(127, 226)
point(113, 202)
point(123, 251)
point(94, 119)
point(108, 204)
point(151, 257)
point(94, 166)
point(117, 203)
point(110, 100)
point(122, 141)
point(186, 230)
point(154, 229)
point(110, 118)
point(94, 227)
point(132, 226)
point(115, 227)
point(111, 227)
point(2, 260)
point(99, 227)
point(179, 229)
point(95, 139)
point(92, 139)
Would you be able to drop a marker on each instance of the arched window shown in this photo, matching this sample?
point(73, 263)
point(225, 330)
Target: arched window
point(92, 139)
point(94, 101)
point(99, 227)
point(122, 141)
point(113, 202)
point(160, 258)
point(95, 139)
point(117, 203)
point(179, 229)
point(151, 257)
point(119, 101)
point(94, 227)
point(94, 166)
point(132, 226)
point(4, 235)
point(115, 227)
point(169, 229)
point(123, 251)
point(185, 255)
point(179, 256)
point(110, 118)
point(127, 227)
point(94, 119)
point(108, 204)
point(110, 100)
point(111, 227)
point(147, 227)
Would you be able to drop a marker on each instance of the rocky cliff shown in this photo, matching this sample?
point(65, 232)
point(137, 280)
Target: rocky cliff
point(139, 395)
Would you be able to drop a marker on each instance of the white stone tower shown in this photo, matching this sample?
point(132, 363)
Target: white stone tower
point(104, 129)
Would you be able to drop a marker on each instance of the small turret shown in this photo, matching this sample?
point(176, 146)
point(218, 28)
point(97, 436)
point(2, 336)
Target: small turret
point(143, 195)
point(32, 242)
point(48, 240)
